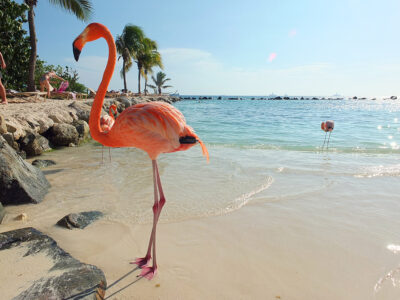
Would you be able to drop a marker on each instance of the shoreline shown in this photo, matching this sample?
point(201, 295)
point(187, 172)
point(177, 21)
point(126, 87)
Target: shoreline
point(36, 116)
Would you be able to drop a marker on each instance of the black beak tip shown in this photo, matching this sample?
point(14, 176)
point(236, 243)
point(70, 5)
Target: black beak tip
point(77, 52)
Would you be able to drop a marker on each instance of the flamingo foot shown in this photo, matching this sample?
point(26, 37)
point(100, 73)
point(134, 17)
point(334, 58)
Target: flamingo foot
point(141, 262)
point(148, 272)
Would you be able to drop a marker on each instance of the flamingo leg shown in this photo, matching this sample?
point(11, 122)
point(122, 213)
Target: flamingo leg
point(149, 272)
point(102, 156)
point(324, 141)
point(109, 152)
point(327, 146)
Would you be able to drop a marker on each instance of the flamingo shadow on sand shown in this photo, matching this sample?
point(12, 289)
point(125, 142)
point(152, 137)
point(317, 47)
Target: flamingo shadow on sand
point(154, 127)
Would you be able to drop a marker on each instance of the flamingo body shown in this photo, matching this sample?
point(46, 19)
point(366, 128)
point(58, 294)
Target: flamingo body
point(154, 127)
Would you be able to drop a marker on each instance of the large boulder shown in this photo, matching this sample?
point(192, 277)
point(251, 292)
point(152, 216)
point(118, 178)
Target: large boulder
point(34, 144)
point(63, 135)
point(57, 275)
point(79, 220)
point(20, 182)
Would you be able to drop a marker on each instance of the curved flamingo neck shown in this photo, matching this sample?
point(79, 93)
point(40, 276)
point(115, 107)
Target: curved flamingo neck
point(94, 120)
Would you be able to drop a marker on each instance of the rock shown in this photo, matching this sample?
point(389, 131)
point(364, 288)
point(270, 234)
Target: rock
point(82, 128)
point(21, 217)
point(126, 102)
point(59, 275)
point(20, 182)
point(82, 110)
point(34, 144)
point(43, 163)
point(79, 220)
point(45, 124)
point(61, 117)
point(393, 97)
point(10, 140)
point(15, 129)
point(3, 126)
point(2, 212)
point(63, 135)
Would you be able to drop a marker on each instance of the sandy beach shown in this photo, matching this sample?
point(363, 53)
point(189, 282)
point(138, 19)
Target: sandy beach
point(326, 243)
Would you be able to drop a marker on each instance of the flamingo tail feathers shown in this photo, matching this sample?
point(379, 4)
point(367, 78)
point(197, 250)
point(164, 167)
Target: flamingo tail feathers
point(204, 149)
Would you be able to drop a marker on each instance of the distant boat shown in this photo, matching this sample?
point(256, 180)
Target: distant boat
point(175, 94)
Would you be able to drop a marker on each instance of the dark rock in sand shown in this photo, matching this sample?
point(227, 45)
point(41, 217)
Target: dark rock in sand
point(3, 127)
point(34, 144)
point(79, 220)
point(68, 278)
point(82, 110)
point(2, 212)
point(43, 163)
point(82, 128)
point(63, 135)
point(20, 182)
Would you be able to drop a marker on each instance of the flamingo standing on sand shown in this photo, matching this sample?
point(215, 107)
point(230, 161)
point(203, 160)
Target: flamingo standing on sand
point(106, 122)
point(154, 127)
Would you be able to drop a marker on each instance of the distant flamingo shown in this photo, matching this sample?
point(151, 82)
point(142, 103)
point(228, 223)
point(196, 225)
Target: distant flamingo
point(327, 127)
point(106, 122)
point(154, 127)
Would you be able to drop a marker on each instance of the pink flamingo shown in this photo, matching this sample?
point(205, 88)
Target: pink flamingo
point(154, 127)
point(106, 122)
point(327, 127)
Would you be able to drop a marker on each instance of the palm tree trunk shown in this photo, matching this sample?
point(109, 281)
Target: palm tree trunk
point(145, 84)
point(159, 90)
point(32, 59)
point(124, 73)
point(140, 69)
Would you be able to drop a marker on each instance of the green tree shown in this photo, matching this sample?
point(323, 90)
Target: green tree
point(14, 44)
point(151, 59)
point(127, 43)
point(80, 8)
point(159, 82)
point(146, 48)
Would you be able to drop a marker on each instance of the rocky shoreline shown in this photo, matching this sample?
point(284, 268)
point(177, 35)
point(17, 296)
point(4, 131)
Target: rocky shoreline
point(32, 128)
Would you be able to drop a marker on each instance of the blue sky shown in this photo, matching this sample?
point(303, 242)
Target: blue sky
point(253, 47)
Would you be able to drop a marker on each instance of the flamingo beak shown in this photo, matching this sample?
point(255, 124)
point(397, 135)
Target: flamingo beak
point(76, 51)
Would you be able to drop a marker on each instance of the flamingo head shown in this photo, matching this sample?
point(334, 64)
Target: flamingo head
point(92, 32)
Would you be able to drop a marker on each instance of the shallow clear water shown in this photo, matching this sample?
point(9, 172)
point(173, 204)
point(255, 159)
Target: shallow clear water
point(260, 151)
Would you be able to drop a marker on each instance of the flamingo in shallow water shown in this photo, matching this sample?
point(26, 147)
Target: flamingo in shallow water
point(327, 127)
point(154, 127)
point(106, 122)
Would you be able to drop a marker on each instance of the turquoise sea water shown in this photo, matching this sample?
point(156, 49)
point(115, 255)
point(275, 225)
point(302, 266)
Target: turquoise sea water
point(361, 126)
point(260, 152)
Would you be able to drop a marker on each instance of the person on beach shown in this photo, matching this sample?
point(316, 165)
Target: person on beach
point(2, 89)
point(45, 83)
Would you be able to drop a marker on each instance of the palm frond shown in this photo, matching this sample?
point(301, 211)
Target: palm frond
point(82, 9)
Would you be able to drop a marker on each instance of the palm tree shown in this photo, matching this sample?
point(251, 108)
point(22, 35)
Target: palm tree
point(147, 48)
point(152, 59)
point(82, 9)
point(160, 82)
point(127, 44)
